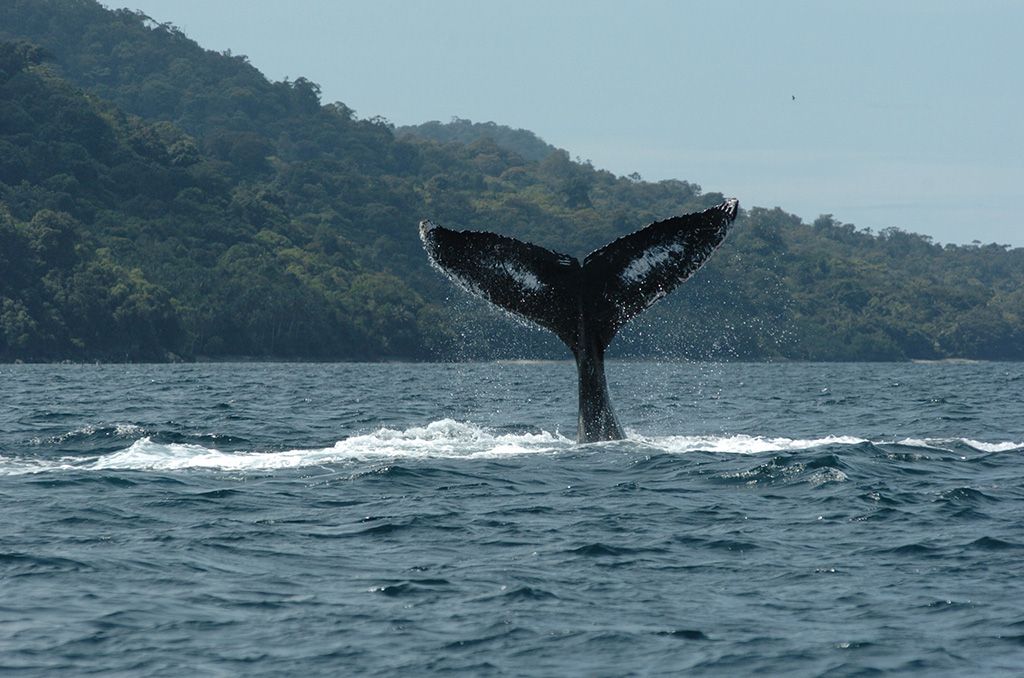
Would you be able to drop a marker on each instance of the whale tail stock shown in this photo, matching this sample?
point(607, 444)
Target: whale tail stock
point(585, 304)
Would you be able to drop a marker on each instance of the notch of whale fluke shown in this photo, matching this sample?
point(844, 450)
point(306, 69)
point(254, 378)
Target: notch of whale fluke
point(583, 304)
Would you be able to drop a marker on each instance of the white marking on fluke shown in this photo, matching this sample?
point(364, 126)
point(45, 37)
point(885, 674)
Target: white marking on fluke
point(652, 258)
point(525, 278)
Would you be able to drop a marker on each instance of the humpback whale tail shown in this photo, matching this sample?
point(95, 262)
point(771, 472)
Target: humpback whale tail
point(583, 304)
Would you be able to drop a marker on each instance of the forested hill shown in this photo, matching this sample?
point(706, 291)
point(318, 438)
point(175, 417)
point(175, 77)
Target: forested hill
point(523, 142)
point(162, 201)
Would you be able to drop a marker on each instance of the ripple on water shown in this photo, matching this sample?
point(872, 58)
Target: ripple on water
point(436, 519)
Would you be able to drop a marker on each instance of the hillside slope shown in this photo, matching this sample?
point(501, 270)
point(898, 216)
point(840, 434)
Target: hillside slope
point(159, 200)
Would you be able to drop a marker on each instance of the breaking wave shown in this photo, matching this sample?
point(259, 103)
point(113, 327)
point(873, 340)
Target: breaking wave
point(444, 439)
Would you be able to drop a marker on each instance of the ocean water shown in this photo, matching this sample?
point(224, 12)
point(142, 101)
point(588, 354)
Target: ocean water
point(418, 519)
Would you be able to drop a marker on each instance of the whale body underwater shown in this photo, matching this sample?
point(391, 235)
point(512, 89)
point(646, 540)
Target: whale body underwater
point(583, 304)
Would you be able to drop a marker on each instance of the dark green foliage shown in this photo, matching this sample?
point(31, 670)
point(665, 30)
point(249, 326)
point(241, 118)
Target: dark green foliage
point(522, 142)
point(158, 200)
point(62, 298)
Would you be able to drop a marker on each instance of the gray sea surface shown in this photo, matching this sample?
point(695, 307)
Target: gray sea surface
point(430, 519)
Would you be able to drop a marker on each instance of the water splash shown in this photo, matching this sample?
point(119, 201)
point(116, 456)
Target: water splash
point(444, 439)
point(742, 444)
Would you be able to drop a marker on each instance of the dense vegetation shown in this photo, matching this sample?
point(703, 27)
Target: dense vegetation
point(523, 142)
point(158, 200)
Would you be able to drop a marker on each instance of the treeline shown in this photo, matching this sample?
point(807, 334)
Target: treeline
point(523, 142)
point(161, 201)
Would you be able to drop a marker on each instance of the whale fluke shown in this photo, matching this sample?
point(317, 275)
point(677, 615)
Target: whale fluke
point(584, 305)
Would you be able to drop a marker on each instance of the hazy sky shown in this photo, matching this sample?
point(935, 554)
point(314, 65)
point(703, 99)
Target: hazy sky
point(907, 113)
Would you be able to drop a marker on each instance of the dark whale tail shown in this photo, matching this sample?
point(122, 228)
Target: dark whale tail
point(585, 305)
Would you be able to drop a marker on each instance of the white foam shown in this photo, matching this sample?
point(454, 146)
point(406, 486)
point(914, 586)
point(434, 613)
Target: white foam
point(945, 443)
point(992, 447)
point(127, 429)
point(119, 430)
point(825, 476)
point(440, 439)
point(444, 439)
point(18, 466)
point(743, 444)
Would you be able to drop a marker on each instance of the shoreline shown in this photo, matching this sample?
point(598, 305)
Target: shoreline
point(242, 360)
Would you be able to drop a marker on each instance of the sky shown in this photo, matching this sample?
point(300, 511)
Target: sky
point(883, 113)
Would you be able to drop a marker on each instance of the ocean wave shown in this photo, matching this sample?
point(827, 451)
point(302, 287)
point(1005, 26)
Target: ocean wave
point(949, 444)
point(115, 430)
point(444, 439)
point(743, 444)
point(440, 439)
